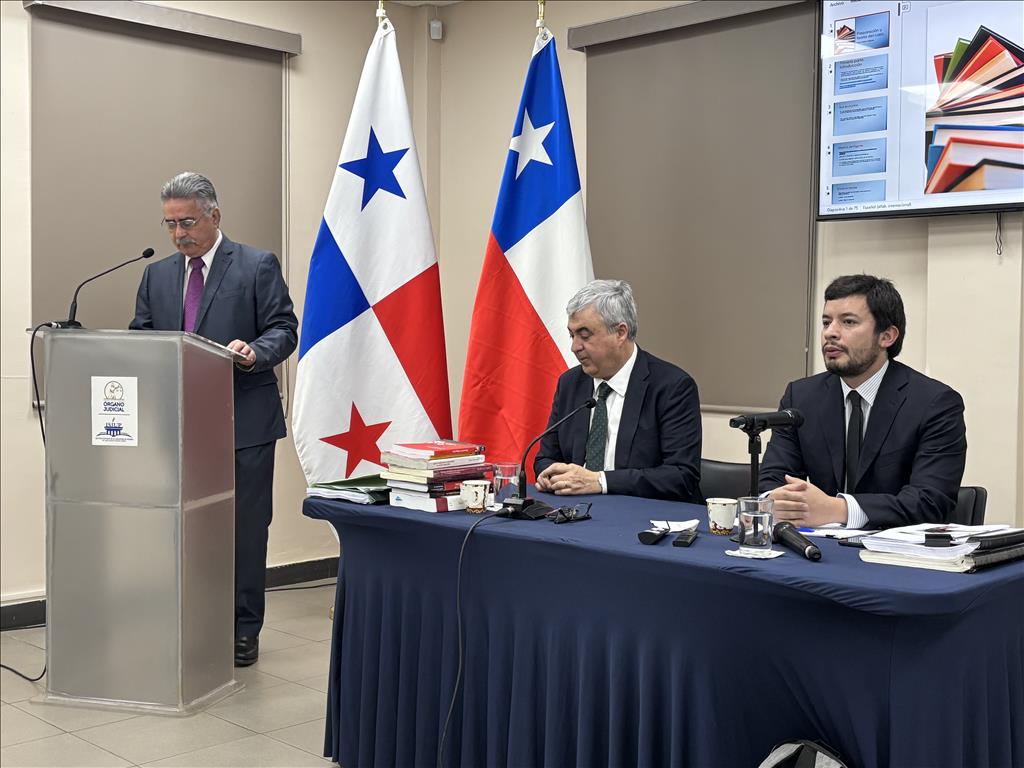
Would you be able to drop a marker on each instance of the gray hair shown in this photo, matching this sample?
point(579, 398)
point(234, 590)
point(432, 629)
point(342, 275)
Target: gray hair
point(191, 186)
point(613, 300)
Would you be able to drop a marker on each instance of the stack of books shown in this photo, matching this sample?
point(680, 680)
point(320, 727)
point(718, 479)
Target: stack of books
point(974, 132)
point(427, 476)
point(953, 548)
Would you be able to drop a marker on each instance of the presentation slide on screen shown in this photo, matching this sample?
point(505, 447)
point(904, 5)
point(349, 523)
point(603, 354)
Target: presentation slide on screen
point(922, 106)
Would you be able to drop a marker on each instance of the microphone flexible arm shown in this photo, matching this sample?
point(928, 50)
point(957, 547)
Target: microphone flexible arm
point(73, 310)
point(517, 504)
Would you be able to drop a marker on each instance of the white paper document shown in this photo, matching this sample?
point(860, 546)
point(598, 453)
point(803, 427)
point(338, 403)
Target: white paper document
point(674, 526)
point(834, 531)
point(910, 540)
point(755, 554)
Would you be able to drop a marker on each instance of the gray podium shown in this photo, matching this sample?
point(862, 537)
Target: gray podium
point(139, 520)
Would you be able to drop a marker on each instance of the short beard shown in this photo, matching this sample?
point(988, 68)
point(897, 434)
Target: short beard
point(854, 366)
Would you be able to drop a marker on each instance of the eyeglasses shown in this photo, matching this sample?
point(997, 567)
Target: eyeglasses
point(572, 514)
point(173, 224)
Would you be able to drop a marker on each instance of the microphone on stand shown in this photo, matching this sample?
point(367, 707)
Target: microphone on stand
point(790, 417)
point(518, 506)
point(73, 310)
point(786, 533)
point(754, 424)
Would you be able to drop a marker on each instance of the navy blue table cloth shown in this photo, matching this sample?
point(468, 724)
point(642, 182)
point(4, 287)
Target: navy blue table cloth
point(584, 647)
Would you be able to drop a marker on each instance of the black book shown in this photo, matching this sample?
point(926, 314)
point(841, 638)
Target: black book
point(980, 558)
point(998, 539)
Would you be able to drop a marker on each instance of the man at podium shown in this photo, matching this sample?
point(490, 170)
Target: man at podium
point(235, 295)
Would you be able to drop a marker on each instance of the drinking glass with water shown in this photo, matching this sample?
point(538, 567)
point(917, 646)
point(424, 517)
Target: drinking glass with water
point(506, 481)
point(754, 517)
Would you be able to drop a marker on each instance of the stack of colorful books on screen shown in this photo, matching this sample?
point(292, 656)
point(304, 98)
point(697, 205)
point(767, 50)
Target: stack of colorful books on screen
point(427, 475)
point(974, 132)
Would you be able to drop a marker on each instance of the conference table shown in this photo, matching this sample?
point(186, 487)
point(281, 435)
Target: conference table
point(584, 647)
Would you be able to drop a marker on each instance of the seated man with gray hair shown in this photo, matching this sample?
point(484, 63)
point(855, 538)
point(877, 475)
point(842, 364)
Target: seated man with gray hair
point(643, 438)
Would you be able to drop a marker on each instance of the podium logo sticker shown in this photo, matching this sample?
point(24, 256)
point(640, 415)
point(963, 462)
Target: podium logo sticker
point(115, 416)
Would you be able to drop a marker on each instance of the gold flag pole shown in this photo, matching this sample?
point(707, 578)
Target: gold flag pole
point(382, 15)
point(542, 30)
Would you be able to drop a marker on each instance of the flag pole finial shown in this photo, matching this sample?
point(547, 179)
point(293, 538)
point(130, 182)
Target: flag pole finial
point(540, 14)
point(382, 15)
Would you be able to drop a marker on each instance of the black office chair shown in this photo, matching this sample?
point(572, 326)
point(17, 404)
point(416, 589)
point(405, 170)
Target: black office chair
point(724, 479)
point(970, 505)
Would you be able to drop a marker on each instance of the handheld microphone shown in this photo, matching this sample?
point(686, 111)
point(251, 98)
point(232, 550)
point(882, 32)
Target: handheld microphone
point(516, 506)
point(786, 533)
point(73, 310)
point(757, 422)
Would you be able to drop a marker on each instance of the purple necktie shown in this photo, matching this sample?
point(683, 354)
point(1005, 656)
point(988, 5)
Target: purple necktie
point(193, 293)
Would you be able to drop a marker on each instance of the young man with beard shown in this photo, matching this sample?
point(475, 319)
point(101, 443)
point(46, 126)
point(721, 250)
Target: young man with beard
point(881, 445)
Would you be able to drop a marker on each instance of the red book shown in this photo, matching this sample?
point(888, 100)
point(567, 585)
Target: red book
point(443, 474)
point(435, 449)
point(962, 154)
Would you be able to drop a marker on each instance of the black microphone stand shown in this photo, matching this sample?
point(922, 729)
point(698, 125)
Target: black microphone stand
point(521, 507)
point(754, 428)
point(756, 423)
point(71, 322)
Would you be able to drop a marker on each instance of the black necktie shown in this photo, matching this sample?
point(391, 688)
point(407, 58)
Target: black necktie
point(597, 440)
point(854, 439)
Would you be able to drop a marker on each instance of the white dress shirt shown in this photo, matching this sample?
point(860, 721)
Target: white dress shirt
point(207, 263)
point(618, 383)
point(855, 516)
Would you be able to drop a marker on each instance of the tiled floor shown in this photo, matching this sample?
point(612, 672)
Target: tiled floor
point(276, 720)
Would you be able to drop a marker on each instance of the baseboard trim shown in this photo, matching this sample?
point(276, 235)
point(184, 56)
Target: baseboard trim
point(21, 615)
point(33, 612)
point(296, 573)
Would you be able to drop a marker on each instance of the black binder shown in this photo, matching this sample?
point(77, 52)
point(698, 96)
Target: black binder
point(998, 540)
point(983, 558)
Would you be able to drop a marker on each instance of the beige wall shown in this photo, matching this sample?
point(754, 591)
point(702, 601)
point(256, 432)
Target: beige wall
point(963, 301)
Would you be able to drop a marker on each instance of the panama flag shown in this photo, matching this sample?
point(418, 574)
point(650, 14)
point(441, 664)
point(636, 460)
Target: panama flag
point(372, 369)
point(537, 257)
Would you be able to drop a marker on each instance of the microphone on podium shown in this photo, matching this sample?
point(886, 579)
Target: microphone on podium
point(73, 310)
point(518, 506)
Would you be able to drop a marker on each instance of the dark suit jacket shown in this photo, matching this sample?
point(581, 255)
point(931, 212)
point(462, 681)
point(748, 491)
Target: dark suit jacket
point(913, 455)
point(657, 450)
point(245, 298)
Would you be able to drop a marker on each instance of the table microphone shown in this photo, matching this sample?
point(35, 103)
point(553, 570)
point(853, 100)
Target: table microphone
point(517, 506)
point(786, 533)
point(73, 310)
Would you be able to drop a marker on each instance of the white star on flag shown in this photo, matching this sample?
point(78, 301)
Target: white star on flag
point(530, 144)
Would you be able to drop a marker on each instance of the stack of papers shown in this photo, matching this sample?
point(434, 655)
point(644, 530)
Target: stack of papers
point(372, 489)
point(906, 546)
point(910, 540)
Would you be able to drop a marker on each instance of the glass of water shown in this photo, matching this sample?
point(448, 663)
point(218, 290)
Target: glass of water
point(506, 481)
point(754, 517)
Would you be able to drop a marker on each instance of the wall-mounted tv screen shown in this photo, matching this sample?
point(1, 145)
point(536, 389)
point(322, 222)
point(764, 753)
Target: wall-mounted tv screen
point(921, 108)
